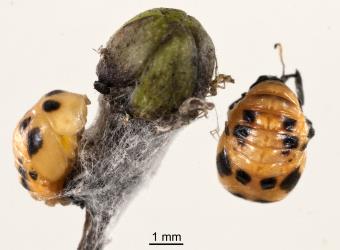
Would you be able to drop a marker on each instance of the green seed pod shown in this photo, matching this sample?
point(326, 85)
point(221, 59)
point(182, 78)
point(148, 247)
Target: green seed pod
point(160, 58)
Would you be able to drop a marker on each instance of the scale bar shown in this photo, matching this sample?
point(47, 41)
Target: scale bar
point(166, 244)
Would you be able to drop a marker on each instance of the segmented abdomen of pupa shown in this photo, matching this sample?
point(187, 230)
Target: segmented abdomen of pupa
point(264, 142)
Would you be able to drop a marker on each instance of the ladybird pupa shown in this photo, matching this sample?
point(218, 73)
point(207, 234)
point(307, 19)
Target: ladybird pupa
point(45, 142)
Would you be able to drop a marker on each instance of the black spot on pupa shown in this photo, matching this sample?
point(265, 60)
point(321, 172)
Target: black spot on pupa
point(243, 177)
point(264, 78)
point(290, 181)
point(24, 124)
point(238, 195)
point(235, 102)
point(22, 172)
point(51, 105)
point(290, 141)
point(311, 132)
point(54, 92)
point(268, 183)
point(303, 147)
point(34, 141)
point(288, 124)
point(241, 132)
point(20, 161)
point(249, 115)
point(285, 152)
point(223, 164)
point(33, 174)
point(24, 183)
